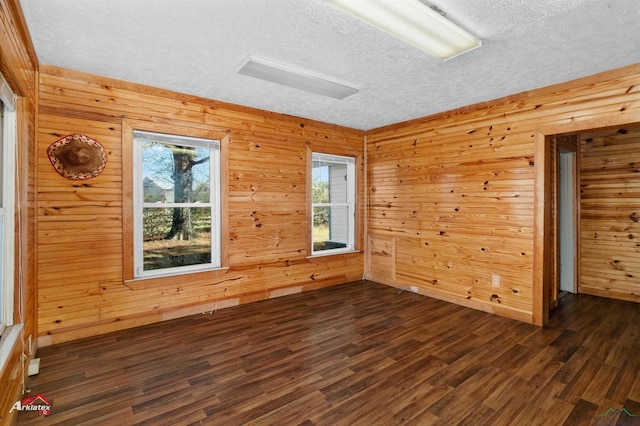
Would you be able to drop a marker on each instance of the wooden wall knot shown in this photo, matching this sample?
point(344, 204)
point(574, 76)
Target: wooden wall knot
point(620, 267)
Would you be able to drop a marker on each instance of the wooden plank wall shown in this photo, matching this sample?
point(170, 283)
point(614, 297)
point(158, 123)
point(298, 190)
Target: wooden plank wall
point(18, 64)
point(610, 213)
point(80, 224)
point(451, 197)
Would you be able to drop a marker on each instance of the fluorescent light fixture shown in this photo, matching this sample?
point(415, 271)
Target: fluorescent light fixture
point(414, 22)
point(298, 78)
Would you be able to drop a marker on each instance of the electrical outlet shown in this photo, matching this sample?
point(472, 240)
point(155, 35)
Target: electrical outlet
point(495, 280)
point(34, 367)
point(414, 288)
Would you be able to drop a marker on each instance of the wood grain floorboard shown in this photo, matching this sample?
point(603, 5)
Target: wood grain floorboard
point(355, 354)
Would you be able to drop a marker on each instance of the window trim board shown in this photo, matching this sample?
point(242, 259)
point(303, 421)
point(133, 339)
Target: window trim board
point(352, 200)
point(128, 219)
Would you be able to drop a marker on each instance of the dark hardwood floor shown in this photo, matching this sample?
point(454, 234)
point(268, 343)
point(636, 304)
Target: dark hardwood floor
point(359, 353)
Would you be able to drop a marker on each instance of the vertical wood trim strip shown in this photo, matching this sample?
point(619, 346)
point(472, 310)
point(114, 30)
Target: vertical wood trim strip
point(554, 255)
point(541, 264)
point(365, 217)
point(127, 200)
point(578, 215)
point(224, 199)
point(309, 192)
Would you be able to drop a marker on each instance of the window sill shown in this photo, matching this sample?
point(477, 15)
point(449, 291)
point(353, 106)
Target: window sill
point(179, 278)
point(332, 253)
point(10, 338)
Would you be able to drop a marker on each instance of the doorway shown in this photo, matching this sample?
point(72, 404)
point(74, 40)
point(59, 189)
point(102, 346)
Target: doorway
point(594, 215)
point(604, 163)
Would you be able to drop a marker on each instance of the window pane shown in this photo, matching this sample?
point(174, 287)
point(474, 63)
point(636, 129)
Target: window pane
point(175, 173)
point(329, 182)
point(320, 183)
point(330, 227)
point(168, 244)
point(338, 183)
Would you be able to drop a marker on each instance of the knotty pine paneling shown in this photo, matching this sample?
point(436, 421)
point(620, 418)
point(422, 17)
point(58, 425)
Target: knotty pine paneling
point(81, 231)
point(454, 206)
point(451, 197)
point(18, 65)
point(610, 212)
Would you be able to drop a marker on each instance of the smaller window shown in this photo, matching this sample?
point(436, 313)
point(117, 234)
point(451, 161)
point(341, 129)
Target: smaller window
point(333, 203)
point(176, 204)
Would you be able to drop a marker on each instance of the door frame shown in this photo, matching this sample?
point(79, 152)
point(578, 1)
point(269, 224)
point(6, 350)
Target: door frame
point(542, 249)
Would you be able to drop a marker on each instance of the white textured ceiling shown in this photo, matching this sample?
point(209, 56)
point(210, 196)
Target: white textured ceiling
point(195, 46)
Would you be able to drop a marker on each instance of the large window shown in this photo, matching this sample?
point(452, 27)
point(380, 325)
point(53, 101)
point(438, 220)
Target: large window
point(176, 204)
point(7, 202)
point(333, 203)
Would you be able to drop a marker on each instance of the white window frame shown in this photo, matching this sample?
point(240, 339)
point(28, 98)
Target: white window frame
point(350, 204)
point(7, 207)
point(139, 204)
